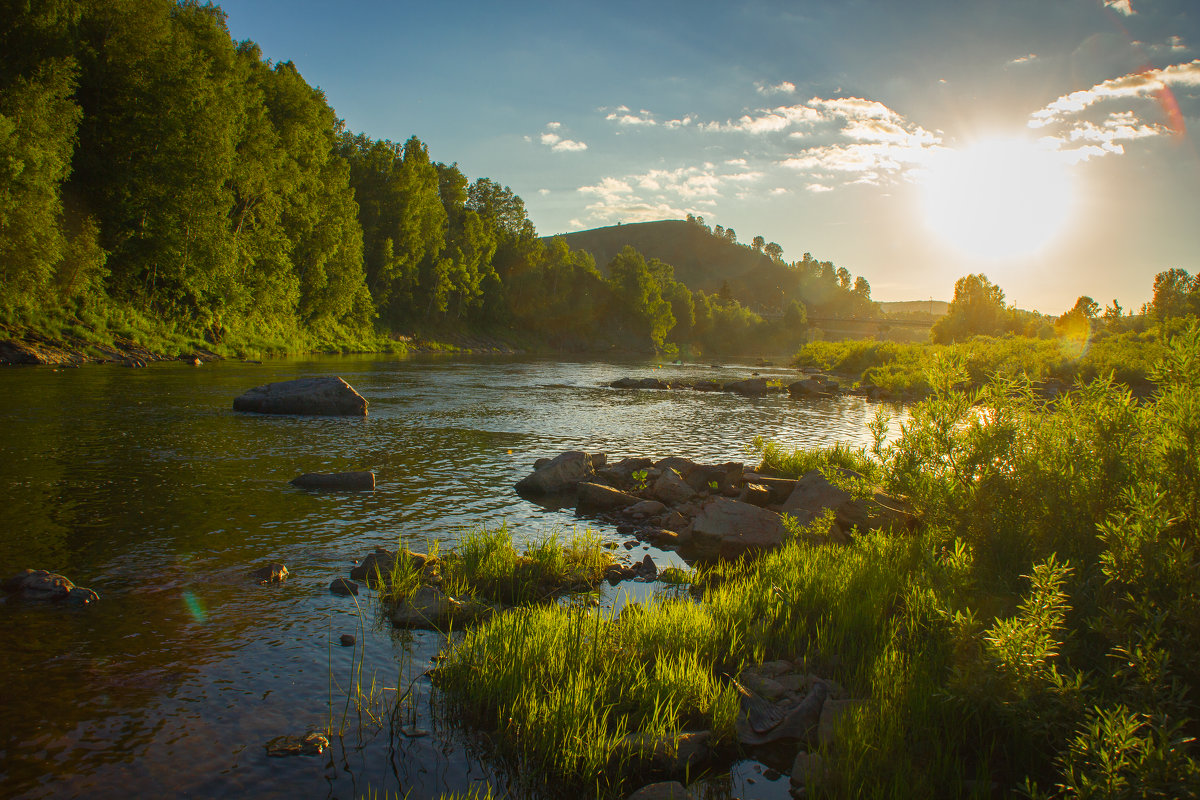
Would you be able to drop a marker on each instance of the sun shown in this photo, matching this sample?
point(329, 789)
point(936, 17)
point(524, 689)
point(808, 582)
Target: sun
point(998, 198)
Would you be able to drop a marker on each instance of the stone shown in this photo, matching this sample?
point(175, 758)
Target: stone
point(814, 493)
point(327, 396)
point(755, 494)
point(562, 473)
point(620, 474)
point(807, 769)
point(312, 744)
point(594, 497)
point(760, 721)
point(271, 573)
point(432, 609)
point(380, 563)
point(347, 640)
point(664, 790)
point(735, 527)
point(671, 489)
point(79, 596)
point(40, 584)
point(809, 387)
point(343, 586)
point(723, 478)
point(647, 569)
point(675, 522)
point(780, 488)
point(674, 756)
point(647, 508)
point(752, 387)
point(335, 481)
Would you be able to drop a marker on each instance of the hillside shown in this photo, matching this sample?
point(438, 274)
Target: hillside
point(701, 260)
point(915, 308)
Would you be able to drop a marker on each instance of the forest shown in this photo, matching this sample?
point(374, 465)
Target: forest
point(162, 182)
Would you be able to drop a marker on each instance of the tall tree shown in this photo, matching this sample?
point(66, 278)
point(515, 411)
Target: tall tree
point(977, 309)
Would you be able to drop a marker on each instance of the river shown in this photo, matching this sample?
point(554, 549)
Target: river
point(144, 485)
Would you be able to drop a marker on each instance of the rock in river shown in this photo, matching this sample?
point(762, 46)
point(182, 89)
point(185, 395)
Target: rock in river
point(362, 481)
point(562, 473)
point(736, 527)
point(327, 396)
point(40, 584)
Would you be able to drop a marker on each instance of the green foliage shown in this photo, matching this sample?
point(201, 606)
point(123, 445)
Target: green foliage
point(977, 309)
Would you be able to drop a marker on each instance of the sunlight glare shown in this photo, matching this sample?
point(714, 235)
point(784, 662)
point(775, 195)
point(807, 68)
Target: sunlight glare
point(999, 198)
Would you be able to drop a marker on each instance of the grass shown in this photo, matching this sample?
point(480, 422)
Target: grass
point(1038, 633)
point(905, 369)
point(487, 565)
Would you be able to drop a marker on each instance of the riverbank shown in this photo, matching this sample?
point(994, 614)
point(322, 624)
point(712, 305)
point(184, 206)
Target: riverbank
point(1034, 636)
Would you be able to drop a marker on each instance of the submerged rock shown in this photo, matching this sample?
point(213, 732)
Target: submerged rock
point(431, 608)
point(311, 744)
point(665, 790)
point(343, 587)
point(334, 481)
point(760, 721)
point(40, 584)
point(271, 573)
point(326, 396)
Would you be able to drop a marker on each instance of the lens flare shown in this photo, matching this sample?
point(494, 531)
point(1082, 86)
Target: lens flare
point(195, 607)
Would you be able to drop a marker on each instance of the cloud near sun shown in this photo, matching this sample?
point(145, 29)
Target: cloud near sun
point(1074, 124)
point(833, 142)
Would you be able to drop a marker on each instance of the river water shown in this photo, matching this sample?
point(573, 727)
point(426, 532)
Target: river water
point(144, 485)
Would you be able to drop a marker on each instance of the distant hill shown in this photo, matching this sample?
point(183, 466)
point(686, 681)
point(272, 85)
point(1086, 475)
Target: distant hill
point(916, 308)
point(701, 261)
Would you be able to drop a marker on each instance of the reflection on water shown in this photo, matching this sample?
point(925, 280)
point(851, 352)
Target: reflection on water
point(144, 485)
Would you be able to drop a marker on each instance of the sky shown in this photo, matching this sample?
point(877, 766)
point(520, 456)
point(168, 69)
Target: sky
point(1049, 144)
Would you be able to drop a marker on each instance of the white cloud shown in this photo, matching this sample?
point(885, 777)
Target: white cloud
point(783, 87)
point(778, 190)
point(1072, 125)
point(1023, 59)
point(569, 146)
point(1120, 6)
point(818, 188)
point(543, 192)
point(576, 224)
point(663, 193)
point(557, 143)
point(767, 120)
point(1134, 85)
point(623, 116)
point(679, 123)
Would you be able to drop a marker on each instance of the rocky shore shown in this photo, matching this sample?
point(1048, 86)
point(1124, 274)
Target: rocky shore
point(810, 384)
point(709, 510)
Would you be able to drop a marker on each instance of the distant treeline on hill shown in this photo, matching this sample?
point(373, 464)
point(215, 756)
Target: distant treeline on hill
point(153, 168)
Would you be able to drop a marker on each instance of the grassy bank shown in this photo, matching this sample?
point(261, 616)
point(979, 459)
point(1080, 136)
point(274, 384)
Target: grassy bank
point(906, 368)
point(1036, 636)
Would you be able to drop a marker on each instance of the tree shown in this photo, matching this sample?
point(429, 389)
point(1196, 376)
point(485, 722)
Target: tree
point(774, 251)
point(637, 298)
point(1171, 293)
point(730, 236)
point(758, 243)
point(977, 309)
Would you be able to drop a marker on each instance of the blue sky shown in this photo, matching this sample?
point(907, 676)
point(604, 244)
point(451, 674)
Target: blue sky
point(818, 125)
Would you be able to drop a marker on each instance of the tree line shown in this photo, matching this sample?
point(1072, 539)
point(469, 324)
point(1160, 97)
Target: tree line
point(148, 161)
point(978, 309)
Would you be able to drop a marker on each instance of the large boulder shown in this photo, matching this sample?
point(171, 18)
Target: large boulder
point(596, 497)
point(328, 396)
point(672, 489)
point(735, 527)
point(40, 584)
point(362, 481)
point(620, 474)
point(271, 573)
point(814, 493)
point(751, 387)
point(562, 473)
point(724, 478)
